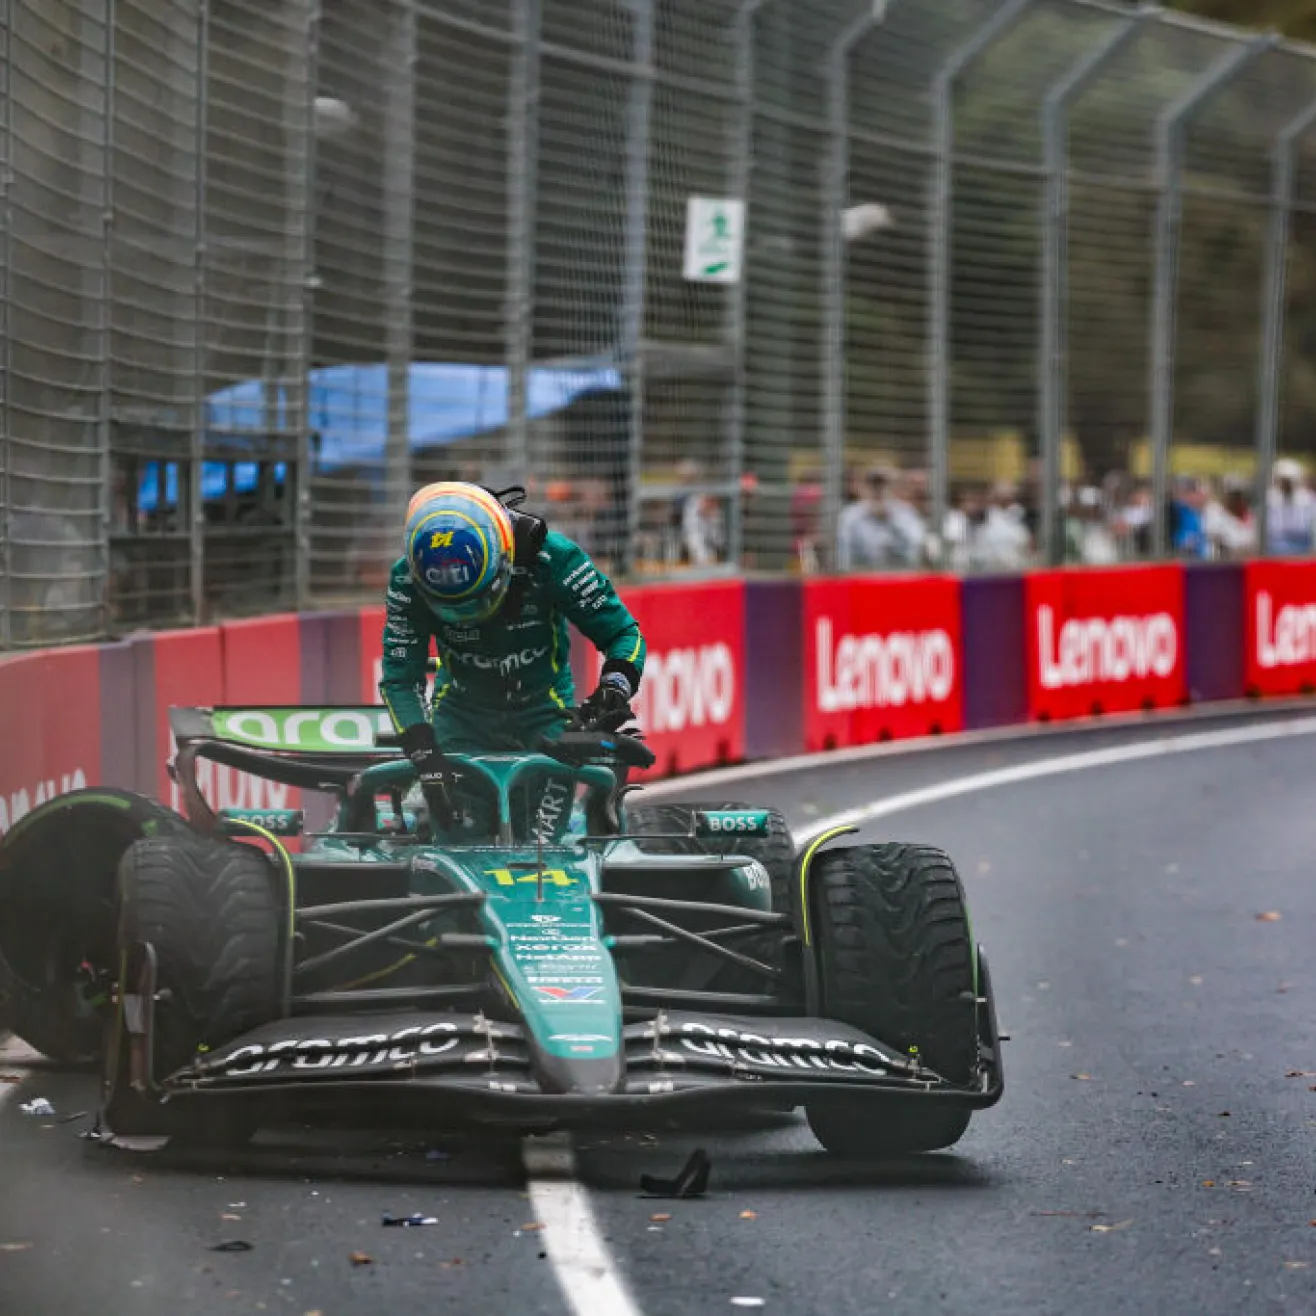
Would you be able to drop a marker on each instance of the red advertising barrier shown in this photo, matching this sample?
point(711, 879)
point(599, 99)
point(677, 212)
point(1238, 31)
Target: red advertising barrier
point(223, 666)
point(1280, 612)
point(372, 654)
point(882, 659)
point(50, 728)
point(263, 661)
point(691, 702)
point(1105, 641)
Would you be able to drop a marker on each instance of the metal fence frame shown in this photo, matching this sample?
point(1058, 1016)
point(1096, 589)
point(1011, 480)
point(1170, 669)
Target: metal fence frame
point(843, 27)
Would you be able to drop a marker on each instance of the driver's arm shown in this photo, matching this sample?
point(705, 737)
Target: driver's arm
point(590, 603)
point(407, 635)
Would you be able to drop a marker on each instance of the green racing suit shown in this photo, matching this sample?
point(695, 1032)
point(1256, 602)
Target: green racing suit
point(506, 682)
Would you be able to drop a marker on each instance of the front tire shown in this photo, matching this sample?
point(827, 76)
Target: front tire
point(897, 960)
point(211, 913)
point(57, 876)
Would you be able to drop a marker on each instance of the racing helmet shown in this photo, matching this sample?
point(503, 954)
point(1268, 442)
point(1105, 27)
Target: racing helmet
point(459, 545)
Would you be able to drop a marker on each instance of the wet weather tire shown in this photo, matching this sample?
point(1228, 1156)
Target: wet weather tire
point(57, 882)
point(896, 959)
point(211, 911)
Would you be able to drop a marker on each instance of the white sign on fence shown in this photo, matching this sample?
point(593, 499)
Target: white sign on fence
point(714, 239)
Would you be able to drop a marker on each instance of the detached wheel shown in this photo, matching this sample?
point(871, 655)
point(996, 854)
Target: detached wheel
point(210, 911)
point(57, 867)
point(897, 960)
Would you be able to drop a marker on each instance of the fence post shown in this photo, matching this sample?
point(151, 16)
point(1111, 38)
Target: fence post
point(399, 206)
point(1275, 279)
point(740, 150)
point(6, 342)
point(1054, 351)
point(1171, 125)
point(522, 208)
point(301, 262)
point(636, 251)
point(940, 249)
point(104, 325)
point(835, 194)
point(196, 516)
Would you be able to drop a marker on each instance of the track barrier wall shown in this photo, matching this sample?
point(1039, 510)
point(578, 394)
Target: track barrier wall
point(739, 670)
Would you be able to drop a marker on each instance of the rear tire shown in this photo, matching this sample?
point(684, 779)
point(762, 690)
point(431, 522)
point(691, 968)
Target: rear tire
point(210, 911)
point(776, 852)
point(57, 867)
point(896, 959)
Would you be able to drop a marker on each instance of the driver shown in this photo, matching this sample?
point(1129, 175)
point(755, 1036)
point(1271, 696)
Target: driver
point(493, 588)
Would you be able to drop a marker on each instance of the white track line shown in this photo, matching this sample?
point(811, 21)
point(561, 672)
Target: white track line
point(1096, 758)
point(1162, 720)
point(585, 1269)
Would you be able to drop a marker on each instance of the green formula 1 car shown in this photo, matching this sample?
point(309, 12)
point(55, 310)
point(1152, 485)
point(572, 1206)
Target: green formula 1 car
point(559, 954)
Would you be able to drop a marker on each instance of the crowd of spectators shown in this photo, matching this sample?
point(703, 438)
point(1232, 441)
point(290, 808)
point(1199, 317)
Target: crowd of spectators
point(887, 524)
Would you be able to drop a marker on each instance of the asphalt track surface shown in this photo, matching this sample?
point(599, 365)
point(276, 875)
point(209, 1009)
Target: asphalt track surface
point(1153, 1151)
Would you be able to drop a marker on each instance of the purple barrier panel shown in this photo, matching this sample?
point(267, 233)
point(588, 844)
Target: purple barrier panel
point(331, 658)
point(995, 661)
point(774, 674)
point(1215, 630)
point(122, 716)
point(146, 771)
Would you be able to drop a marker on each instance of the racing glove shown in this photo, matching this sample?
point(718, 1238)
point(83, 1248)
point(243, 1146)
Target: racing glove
point(609, 707)
point(433, 771)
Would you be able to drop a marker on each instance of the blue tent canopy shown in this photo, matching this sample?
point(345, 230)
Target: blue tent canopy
point(348, 413)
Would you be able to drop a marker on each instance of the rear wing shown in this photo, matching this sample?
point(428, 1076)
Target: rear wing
point(318, 749)
point(347, 732)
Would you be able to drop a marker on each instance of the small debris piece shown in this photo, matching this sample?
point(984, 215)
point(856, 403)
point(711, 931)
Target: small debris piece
point(1270, 916)
point(1296, 1265)
point(38, 1107)
point(438, 1154)
point(233, 1245)
point(408, 1221)
point(361, 1259)
point(747, 1302)
point(691, 1182)
point(1301, 1073)
point(1188, 1083)
point(228, 1215)
point(1085, 1078)
point(659, 1217)
point(1076, 1215)
point(23, 1247)
point(11, 1078)
point(1208, 1183)
point(749, 1215)
point(1224, 1114)
point(1110, 1229)
point(448, 1265)
point(530, 1228)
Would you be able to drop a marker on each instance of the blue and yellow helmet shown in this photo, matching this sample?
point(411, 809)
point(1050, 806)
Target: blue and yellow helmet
point(459, 546)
